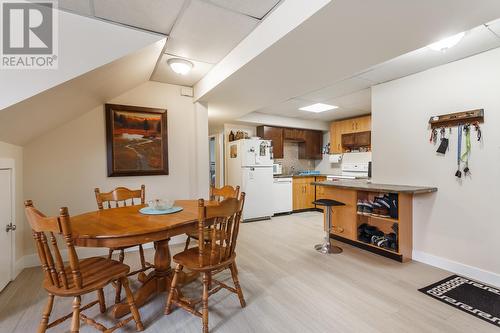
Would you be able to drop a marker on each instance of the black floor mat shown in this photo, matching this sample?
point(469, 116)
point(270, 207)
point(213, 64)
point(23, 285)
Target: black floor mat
point(475, 298)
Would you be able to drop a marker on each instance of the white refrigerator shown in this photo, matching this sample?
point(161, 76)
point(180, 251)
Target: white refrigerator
point(251, 167)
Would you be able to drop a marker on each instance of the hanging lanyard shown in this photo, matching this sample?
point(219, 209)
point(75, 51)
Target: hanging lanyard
point(465, 156)
point(459, 150)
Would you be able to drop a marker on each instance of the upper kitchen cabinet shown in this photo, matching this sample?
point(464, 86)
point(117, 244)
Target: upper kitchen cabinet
point(310, 141)
point(275, 134)
point(349, 126)
point(310, 149)
point(294, 134)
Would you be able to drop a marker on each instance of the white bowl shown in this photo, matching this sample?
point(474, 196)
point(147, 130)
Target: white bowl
point(160, 204)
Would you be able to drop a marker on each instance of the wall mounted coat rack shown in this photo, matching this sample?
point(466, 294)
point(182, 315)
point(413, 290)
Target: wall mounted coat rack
point(458, 118)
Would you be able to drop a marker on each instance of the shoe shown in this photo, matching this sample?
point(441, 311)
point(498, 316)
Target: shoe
point(381, 207)
point(360, 206)
point(367, 207)
point(392, 199)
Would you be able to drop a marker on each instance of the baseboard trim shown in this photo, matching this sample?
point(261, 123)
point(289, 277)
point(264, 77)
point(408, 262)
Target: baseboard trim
point(458, 268)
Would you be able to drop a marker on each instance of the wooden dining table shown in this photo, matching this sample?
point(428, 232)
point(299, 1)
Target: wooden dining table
point(126, 226)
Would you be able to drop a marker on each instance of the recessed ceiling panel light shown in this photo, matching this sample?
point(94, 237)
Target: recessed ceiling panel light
point(180, 66)
point(318, 107)
point(447, 43)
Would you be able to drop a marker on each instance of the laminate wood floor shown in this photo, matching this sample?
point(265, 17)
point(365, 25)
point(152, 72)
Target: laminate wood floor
point(288, 287)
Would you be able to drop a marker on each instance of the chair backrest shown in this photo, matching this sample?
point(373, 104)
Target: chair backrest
point(50, 256)
point(218, 194)
point(218, 225)
point(119, 197)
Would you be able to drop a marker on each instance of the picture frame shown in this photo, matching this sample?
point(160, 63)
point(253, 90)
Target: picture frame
point(136, 141)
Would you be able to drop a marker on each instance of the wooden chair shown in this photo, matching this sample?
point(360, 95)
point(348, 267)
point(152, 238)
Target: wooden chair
point(216, 194)
point(118, 198)
point(79, 278)
point(221, 223)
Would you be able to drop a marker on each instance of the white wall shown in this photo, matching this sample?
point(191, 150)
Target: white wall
point(458, 227)
point(324, 165)
point(63, 166)
point(12, 156)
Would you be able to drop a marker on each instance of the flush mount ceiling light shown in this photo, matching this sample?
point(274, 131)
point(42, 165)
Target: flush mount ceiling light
point(318, 107)
point(180, 66)
point(446, 43)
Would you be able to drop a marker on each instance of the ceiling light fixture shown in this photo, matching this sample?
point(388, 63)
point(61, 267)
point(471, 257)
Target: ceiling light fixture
point(180, 66)
point(446, 43)
point(318, 107)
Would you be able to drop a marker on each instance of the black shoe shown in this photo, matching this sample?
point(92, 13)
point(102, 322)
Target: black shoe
point(392, 200)
point(383, 206)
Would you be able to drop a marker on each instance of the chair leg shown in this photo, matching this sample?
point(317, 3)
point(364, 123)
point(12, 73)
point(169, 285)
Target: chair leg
point(141, 254)
point(75, 322)
point(209, 280)
point(205, 301)
point(118, 291)
point(131, 303)
point(234, 274)
point(102, 301)
point(173, 291)
point(110, 253)
point(188, 240)
point(46, 314)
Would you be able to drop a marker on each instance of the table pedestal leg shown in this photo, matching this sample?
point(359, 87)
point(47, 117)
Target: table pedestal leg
point(156, 281)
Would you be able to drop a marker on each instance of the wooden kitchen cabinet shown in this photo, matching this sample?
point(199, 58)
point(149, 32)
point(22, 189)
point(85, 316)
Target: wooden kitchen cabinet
point(348, 126)
point(363, 124)
point(294, 134)
point(363, 139)
point(310, 141)
point(311, 148)
point(344, 218)
point(275, 134)
point(336, 137)
point(303, 193)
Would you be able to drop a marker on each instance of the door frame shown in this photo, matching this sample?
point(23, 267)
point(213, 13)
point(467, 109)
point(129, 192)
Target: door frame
point(9, 164)
point(219, 158)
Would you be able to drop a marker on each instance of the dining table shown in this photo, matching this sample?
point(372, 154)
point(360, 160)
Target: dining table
point(126, 226)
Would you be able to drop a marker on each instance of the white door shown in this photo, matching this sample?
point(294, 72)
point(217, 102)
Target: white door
point(5, 219)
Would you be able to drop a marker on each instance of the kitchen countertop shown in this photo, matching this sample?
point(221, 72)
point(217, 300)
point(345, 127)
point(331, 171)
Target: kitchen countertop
point(298, 176)
point(364, 185)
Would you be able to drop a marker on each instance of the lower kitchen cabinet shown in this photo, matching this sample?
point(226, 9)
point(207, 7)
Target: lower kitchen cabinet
point(303, 193)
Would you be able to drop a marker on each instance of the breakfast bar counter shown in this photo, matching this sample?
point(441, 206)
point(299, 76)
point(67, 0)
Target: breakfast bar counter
point(365, 185)
point(359, 223)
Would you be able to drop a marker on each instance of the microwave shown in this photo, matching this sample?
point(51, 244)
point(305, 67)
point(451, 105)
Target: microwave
point(277, 169)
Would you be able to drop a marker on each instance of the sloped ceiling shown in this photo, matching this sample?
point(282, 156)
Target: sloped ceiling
point(84, 44)
point(26, 120)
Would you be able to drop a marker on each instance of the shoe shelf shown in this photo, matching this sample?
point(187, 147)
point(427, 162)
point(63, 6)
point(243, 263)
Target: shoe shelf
point(380, 248)
point(346, 221)
point(388, 219)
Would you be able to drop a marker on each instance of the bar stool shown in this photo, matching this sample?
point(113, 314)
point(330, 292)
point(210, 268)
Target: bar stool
point(326, 247)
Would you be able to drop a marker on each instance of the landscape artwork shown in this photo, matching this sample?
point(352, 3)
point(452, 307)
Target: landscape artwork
point(136, 141)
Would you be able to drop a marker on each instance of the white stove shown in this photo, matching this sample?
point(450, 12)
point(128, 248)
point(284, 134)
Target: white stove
point(352, 170)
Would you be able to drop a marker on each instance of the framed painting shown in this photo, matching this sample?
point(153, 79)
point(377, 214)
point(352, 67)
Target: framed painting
point(136, 140)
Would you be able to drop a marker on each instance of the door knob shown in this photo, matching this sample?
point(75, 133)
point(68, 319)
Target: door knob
point(10, 227)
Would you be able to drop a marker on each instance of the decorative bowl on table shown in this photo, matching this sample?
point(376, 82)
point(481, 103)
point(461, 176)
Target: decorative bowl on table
point(160, 207)
point(160, 204)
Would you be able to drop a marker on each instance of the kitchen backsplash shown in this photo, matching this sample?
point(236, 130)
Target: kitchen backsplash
point(291, 159)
